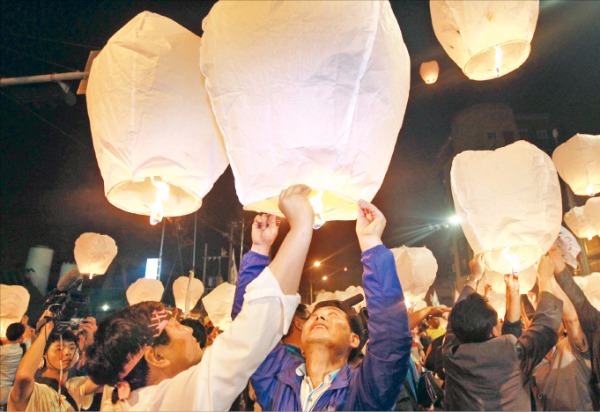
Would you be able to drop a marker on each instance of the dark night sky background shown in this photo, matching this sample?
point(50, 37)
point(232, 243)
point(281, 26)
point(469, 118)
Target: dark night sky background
point(51, 186)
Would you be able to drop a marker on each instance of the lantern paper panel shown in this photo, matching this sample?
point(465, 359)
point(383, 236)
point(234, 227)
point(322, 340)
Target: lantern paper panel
point(417, 268)
point(151, 118)
point(590, 285)
point(94, 253)
point(145, 290)
point(306, 92)
point(591, 210)
point(486, 39)
point(180, 291)
point(578, 223)
point(14, 301)
point(578, 163)
point(498, 301)
point(527, 279)
point(342, 295)
point(509, 203)
point(429, 71)
point(218, 304)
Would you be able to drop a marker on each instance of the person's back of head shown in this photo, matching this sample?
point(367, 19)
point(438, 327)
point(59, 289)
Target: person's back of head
point(473, 319)
point(15, 332)
point(198, 330)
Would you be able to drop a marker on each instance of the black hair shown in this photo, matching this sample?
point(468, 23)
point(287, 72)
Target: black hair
point(473, 319)
point(119, 337)
point(198, 330)
point(67, 336)
point(15, 331)
point(357, 325)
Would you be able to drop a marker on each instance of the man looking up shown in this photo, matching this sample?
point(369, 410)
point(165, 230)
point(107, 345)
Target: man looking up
point(333, 333)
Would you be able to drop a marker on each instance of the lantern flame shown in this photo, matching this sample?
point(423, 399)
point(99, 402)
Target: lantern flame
point(590, 190)
point(498, 66)
point(157, 209)
point(91, 276)
point(317, 203)
point(513, 259)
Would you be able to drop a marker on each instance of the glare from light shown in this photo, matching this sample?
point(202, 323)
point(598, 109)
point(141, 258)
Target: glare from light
point(345, 268)
point(317, 203)
point(324, 278)
point(91, 276)
point(157, 210)
point(590, 190)
point(105, 307)
point(499, 55)
point(513, 259)
point(454, 220)
point(317, 264)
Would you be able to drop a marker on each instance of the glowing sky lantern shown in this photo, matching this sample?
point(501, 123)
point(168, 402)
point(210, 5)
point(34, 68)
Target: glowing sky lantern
point(185, 286)
point(218, 304)
point(306, 92)
point(509, 203)
point(527, 279)
point(591, 209)
point(578, 163)
point(145, 290)
point(429, 71)
point(486, 39)
point(591, 288)
point(417, 268)
point(579, 224)
point(156, 140)
point(14, 300)
point(94, 253)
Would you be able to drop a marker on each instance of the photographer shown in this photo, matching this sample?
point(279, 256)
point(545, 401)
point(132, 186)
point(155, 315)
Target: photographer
point(51, 391)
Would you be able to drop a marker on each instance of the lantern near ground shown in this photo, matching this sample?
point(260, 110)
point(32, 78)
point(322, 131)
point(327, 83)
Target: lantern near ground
point(155, 137)
point(486, 39)
point(94, 253)
point(145, 290)
point(417, 268)
point(341, 295)
point(187, 289)
point(218, 304)
point(429, 71)
point(39, 261)
point(307, 92)
point(509, 203)
point(578, 223)
point(527, 280)
point(14, 301)
point(591, 209)
point(578, 163)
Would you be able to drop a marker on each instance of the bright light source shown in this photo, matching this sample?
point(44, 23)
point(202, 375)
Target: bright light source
point(105, 307)
point(152, 268)
point(454, 219)
point(324, 278)
point(345, 268)
point(317, 264)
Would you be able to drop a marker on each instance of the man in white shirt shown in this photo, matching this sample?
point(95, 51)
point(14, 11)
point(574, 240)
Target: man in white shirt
point(144, 349)
point(11, 353)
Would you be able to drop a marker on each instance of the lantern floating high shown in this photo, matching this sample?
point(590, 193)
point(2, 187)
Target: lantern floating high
point(187, 292)
point(579, 224)
point(14, 301)
point(429, 71)
point(145, 290)
point(509, 203)
point(578, 163)
point(306, 92)
point(156, 140)
point(94, 253)
point(417, 268)
point(486, 39)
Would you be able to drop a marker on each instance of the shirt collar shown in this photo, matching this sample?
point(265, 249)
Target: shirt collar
point(328, 379)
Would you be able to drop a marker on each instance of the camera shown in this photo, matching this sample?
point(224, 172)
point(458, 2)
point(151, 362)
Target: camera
point(64, 305)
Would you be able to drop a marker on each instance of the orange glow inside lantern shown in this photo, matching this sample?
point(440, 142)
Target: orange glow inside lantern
point(429, 71)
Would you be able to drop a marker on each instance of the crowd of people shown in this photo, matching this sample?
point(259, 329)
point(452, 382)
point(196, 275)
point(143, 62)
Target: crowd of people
point(279, 354)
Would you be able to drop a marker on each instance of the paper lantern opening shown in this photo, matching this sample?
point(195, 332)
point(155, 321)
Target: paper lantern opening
point(497, 60)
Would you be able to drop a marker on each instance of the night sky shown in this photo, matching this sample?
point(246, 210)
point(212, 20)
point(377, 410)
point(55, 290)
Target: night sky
point(51, 186)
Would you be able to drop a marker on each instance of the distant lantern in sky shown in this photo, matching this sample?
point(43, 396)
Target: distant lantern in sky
point(155, 137)
point(486, 39)
point(14, 301)
point(145, 290)
point(509, 202)
point(429, 71)
point(591, 209)
point(417, 268)
point(307, 92)
point(578, 163)
point(94, 253)
point(577, 221)
point(187, 289)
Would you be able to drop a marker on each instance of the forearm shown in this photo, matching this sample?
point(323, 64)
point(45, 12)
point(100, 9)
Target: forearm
point(415, 318)
point(253, 263)
point(288, 264)
point(513, 306)
point(589, 317)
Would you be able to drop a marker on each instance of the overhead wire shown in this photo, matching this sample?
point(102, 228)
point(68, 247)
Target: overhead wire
point(88, 46)
point(38, 58)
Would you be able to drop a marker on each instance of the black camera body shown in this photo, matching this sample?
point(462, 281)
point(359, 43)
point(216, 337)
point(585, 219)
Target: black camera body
point(64, 305)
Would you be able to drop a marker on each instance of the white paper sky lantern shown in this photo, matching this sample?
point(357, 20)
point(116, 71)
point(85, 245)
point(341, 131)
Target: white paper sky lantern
point(180, 291)
point(417, 268)
point(591, 209)
point(486, 39)
point(155, 137)
point(145, 290)
point(578, 223)
point(527, 279)
point(578, 163)
point(94, 253)
point(429, 71)
point(218, 305)
point(306, 92)
point(341, 295)
point(14, 301)
point(509, 203)
point(591, 287)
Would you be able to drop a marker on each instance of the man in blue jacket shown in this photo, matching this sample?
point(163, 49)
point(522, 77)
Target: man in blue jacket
point(330, 335)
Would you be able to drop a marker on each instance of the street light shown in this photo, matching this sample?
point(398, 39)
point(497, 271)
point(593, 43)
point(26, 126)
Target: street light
point(324, 277)
point(317, 264)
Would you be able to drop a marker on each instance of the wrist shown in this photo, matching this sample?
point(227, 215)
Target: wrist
point(369, 242)
point(261, 249)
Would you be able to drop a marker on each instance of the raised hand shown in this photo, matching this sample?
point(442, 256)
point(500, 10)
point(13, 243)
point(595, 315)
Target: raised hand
point(264, 232)
point(296, 207)
point(512, 283)
point(369, 225)
point(557, 258)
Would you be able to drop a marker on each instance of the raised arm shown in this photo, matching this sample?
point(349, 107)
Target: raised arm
point(512, 319)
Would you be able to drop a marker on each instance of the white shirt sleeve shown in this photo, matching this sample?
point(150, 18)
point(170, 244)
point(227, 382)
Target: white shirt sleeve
point(226, 366)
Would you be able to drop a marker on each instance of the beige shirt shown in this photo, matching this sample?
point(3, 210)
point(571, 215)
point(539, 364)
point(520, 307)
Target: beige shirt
point(44, 398)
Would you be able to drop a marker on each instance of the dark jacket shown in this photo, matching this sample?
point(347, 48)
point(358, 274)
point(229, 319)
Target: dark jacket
point(376, 383)
point(589, 318)
point(495, 374)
